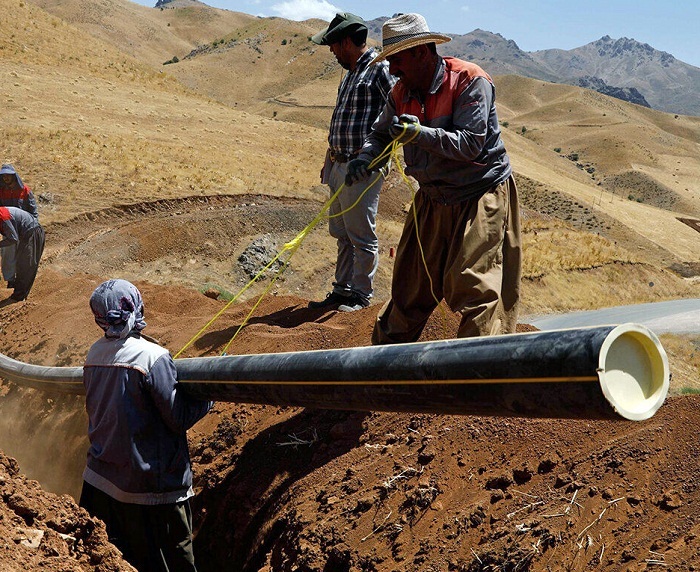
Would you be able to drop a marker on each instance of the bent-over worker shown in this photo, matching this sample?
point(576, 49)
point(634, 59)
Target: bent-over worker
point(23, 232)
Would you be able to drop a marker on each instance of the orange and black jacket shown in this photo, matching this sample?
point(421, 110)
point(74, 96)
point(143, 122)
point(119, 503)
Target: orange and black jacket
point(458, 153)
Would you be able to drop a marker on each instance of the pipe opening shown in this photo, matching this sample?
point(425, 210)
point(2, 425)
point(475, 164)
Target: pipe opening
point(633, 371)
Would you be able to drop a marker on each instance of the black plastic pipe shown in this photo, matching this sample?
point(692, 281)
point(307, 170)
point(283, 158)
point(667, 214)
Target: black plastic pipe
point(603, 371)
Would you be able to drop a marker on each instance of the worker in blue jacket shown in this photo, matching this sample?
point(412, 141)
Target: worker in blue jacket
point(138, 477)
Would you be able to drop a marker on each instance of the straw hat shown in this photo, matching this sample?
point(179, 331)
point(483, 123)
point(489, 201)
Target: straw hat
point(344, 24)
point(406, 31)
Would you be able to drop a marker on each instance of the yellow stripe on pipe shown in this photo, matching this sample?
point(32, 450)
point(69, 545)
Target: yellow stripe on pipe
point(400, 382)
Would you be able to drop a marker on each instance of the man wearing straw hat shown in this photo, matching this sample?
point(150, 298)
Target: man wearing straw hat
point(461, 240)
point(361, 97)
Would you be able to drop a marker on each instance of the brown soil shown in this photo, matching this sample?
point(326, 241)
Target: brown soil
point(284, 489)
point(42, 531)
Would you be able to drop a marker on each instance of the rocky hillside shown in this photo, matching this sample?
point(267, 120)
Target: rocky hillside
point(630, 94)
point(666, 83)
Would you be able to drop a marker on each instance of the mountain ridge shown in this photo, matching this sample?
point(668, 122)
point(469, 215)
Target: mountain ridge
point(623, 68)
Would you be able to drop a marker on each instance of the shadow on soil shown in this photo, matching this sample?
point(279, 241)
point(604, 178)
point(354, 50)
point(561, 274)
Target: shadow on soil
point(241, 508)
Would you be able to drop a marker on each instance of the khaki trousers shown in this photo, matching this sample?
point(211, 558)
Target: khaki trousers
point(472, 251)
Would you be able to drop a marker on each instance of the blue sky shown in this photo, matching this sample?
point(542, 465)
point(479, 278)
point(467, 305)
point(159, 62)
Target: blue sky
point(666, 25)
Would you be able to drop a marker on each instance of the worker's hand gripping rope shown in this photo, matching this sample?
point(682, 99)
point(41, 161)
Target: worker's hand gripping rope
point(357, 170)
point(403, 130)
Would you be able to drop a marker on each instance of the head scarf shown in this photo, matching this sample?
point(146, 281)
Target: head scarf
point(8, 169)
point(118, 308)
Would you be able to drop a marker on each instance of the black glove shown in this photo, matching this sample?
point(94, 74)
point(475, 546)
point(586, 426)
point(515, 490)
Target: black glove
point(405, 128)
point(357, 171)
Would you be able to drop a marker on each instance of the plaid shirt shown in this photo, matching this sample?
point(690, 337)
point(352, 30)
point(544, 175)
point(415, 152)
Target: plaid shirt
point(361, 98)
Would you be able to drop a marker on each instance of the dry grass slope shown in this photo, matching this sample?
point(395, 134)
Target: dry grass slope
point(89, 126)
point(120, 129)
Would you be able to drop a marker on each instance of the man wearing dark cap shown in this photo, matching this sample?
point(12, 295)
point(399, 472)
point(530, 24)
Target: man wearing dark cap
point(361, 97)
point(461, 241)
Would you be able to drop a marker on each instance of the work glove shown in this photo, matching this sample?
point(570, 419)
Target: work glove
point(357, 170)
point(405, 128)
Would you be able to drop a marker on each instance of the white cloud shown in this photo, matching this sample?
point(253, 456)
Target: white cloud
point(305, 9)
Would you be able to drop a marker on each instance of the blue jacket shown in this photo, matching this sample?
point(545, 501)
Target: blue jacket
point(138, 421)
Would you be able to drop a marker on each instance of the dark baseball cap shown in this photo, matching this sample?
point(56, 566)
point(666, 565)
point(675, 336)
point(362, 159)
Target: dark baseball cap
point(344, 24)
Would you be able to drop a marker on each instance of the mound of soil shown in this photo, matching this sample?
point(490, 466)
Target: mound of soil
point(321, 490)
point(43, 531)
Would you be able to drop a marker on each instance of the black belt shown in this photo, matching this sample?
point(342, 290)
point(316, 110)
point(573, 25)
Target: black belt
point(341, 157)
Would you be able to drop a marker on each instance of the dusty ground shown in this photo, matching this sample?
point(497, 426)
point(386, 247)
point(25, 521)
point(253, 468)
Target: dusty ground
point(214, 192)
point(283, 489)
point(290, 489)
point(42, 531)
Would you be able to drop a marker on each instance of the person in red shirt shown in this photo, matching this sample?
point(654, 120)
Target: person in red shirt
point(461, 240)
point(14, 193)
point(22, 231)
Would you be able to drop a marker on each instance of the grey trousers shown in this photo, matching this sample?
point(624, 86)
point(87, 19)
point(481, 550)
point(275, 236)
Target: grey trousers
point(9, 254)
point(355, 229)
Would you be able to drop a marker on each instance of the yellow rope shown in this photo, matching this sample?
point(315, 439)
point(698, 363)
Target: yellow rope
point(390, 152)
point(292, 246)
point(420, 244)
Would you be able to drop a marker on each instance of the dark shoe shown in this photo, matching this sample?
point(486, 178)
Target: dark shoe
point(11, 284)
point(355, 302)
point(331, 299)
point(18, 297)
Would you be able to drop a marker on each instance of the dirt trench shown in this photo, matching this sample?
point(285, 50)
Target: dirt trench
point(284, 489)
